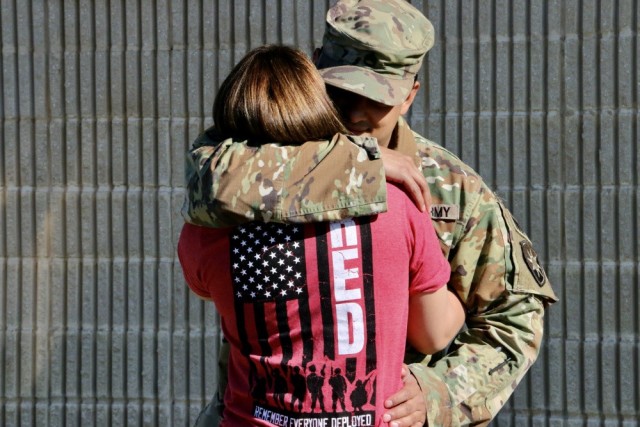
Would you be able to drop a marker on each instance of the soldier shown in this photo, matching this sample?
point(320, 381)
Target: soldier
point(299, 383)
point(314, 384)
point(371, 55)
point(338, 389)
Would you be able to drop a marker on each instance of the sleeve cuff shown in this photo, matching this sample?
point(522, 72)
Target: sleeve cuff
point(436, 395)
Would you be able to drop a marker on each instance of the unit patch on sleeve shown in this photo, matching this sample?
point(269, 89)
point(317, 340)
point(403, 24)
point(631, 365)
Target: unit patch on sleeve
point(531, 259)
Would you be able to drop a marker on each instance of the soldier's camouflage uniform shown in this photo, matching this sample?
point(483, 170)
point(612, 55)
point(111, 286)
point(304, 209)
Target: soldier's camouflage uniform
point(495, 270)
point(283, 183)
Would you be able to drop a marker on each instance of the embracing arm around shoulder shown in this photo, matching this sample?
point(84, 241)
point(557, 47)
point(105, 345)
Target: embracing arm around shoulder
point(434, 320)
point(232, 182)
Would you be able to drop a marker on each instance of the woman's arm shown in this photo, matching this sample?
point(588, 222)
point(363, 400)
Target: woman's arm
point(434, 320)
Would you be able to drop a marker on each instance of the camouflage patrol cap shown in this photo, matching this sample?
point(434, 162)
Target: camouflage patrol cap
point(374, 48)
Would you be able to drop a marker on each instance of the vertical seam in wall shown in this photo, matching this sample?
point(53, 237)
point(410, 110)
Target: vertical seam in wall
point(442, 76)
point(547, 181)
point(494, 98)
point(156, 179)
point(529, 114)
point(3, 231)
point(94, 250)
point(2, 138)
point(476, 98)
point(459, 82)
point(511, 105)
point(29, 260)
point(3, 212)
point(581, 240)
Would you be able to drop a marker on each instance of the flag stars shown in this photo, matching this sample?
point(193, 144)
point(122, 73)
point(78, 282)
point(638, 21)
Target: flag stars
point(267, 262)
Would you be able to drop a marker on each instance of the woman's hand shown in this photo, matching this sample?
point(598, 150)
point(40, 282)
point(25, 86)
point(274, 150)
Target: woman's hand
point(407, 407)
point(401, 169)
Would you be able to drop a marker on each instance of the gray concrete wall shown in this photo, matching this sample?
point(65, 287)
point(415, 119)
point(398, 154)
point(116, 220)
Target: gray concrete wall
point(100, 99)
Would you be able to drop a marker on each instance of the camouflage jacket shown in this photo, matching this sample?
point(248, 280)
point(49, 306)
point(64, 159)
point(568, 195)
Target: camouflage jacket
point(495, 271)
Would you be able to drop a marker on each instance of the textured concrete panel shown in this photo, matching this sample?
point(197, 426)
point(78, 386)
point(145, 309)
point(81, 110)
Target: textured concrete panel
point(100, 100)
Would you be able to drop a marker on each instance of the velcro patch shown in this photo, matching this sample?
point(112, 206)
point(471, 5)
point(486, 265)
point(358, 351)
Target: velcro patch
point(531, 258)
point(529, 274)
point(445, 212)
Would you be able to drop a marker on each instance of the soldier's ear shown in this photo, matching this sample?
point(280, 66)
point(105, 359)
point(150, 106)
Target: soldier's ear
point(316, 54)
point(409, 100)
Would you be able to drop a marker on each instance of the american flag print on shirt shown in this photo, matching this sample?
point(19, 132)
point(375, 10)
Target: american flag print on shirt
point(300, 368)
point(268, 271)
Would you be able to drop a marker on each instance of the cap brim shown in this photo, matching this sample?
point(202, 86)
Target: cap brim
point(364, 82)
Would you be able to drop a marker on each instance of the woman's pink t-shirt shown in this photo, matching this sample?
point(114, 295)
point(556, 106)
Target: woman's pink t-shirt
point(316, 314)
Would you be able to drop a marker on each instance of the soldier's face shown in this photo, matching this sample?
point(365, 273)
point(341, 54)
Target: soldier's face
point(363, 116)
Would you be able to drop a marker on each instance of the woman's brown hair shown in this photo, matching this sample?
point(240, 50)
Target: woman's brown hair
point(275, 94)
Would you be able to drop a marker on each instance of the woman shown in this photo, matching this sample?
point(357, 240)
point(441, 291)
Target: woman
point(317, 316)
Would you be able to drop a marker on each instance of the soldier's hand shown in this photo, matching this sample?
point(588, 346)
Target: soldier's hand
point(400, 169)
point(407, 407)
